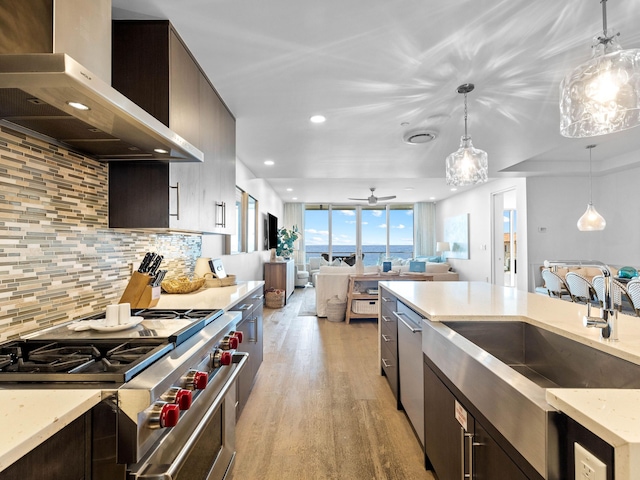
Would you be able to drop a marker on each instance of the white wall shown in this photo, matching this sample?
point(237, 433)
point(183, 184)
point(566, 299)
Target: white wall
point(548, 209)
point(556, 204)
point(478, 204)
point(247, 266)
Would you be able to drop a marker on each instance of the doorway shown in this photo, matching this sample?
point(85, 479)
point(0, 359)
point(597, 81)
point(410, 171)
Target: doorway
point(504, 248)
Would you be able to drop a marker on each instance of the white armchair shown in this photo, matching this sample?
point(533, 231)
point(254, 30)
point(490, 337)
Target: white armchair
point(314, 269)
point(302, 276)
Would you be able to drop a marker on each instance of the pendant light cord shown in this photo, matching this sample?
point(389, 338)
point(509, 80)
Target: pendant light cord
point(590, 147)
point(605, 39)
point(465, 116)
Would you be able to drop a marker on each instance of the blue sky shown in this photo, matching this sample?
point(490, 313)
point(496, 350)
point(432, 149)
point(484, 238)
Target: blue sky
point(374, 228)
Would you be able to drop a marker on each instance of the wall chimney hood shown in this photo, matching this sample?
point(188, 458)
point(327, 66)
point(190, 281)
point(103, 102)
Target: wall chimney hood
point(44, 78)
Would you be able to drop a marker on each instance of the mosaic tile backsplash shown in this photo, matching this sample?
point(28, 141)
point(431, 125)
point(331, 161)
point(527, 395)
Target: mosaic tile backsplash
point(58, 258)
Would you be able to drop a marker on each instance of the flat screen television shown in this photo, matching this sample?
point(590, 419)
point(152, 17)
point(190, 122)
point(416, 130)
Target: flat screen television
point(273, 230)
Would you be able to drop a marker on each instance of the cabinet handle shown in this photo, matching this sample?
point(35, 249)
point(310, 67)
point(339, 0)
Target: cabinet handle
point(223, 214)
point(254, 338)
point(258, 297)
point(386, 319)
point(177, 214)
point(413, 327)
point(385, 363)
point(386, 299)
point(245, 306)
point(386, 338)
point(470, 444)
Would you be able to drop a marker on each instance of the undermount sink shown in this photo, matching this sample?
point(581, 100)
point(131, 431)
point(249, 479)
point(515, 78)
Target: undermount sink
point(504, 370)
point(548, 359)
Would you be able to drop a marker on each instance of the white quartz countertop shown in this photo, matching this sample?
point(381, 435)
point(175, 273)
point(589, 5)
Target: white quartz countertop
point(612, 414)
point(216, 297)
point(29, 417)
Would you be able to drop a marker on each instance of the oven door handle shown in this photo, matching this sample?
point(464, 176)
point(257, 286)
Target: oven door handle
point(241, 359)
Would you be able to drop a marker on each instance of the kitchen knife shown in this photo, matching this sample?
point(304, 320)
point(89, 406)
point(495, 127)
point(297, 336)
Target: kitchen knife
point(155, 264)
point(158, 280)
point(145, 262)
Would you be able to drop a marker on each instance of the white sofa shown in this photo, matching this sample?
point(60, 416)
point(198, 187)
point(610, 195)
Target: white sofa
point(331, 281)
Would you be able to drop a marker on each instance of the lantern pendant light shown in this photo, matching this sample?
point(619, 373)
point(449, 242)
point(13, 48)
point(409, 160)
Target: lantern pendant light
point(591, 220)
point(467, 165)
point(601, 96)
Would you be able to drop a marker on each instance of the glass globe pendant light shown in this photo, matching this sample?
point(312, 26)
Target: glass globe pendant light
point(591, 220)
point(602, 95)
point(467, 165)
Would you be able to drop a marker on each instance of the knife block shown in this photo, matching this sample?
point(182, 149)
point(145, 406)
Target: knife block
point(135, 289)
point(149, 298)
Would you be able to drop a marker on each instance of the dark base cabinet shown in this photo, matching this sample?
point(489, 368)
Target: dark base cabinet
point(450, 446)
point(64, 456)
point(252, 343)
point(389, 343)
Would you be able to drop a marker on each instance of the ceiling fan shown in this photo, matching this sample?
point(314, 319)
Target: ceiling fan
point(373, 200)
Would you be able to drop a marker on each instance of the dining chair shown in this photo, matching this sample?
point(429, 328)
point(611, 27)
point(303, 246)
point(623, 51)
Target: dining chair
point(633, 290)
point(619, 293)
point(580, 288)
point(556, 287)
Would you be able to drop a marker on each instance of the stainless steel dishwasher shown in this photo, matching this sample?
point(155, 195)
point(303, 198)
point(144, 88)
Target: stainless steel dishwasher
point(410, 361)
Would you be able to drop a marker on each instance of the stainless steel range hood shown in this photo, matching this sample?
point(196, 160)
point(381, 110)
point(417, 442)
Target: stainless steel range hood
point(39, 81)
point(35, 92)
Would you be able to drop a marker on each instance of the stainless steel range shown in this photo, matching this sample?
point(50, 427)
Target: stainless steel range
point(171, 412)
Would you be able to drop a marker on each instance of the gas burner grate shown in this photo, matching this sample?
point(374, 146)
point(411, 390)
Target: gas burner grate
point(127, 353)
point(192, 314)
point(54, 358)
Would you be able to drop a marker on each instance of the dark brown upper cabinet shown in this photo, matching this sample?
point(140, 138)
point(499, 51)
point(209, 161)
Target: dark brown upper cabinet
point(152, 66)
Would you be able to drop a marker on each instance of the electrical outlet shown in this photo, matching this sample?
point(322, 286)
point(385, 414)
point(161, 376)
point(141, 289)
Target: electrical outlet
point(588, 467)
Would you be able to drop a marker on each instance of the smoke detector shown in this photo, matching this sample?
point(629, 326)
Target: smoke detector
point(418, 137)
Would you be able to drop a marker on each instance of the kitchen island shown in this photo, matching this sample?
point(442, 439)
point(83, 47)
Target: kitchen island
point(30, 416)
point(609, 413)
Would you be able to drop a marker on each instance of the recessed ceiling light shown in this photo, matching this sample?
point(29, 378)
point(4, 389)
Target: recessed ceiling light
point(417, 137)
point(408, 189)
point(289, 189)
point(318, 119)
point(454, 189)
point(432, 198)
point(78, 105)
point(294, 198)
point(160, 150)
point(269, 162)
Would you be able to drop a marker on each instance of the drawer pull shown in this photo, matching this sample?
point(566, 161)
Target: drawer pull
point(386, 338)
point(386, 319)
point(386, 364)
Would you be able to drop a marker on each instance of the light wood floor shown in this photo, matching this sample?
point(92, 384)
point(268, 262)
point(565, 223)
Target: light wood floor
point(320, 409)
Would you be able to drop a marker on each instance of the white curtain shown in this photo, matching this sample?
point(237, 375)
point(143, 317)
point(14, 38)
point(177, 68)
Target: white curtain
point(424, 229)
point(294, 215)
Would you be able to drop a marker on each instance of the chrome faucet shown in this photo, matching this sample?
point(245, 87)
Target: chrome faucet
point(607, 322)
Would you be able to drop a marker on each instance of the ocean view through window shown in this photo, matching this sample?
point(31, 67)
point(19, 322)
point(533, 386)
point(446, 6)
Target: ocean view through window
point(374, 231)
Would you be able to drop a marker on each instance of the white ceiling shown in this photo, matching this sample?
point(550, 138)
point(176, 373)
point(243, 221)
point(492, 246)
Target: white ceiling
point(379, 68)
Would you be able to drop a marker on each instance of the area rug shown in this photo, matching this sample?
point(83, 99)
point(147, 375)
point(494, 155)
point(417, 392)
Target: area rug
point(308, 304)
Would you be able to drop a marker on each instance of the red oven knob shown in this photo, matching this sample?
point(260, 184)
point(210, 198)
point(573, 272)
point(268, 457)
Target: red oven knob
point(229, 343)
point(238, 335)
point(195, 380)
point(169, 415)
point(220, 358)
point(164, 415)
point(183, 399)
point(179, 396)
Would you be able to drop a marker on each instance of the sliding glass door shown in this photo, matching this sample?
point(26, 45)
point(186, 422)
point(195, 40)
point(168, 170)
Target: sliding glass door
point(338, 231)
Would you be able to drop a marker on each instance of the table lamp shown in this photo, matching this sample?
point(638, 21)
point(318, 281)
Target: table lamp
point(442, 247)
